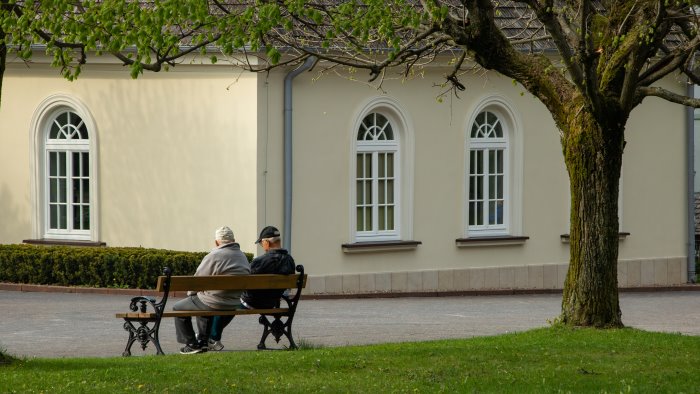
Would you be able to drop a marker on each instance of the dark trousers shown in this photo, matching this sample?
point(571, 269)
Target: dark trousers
point(218, 323)
point(183, 325)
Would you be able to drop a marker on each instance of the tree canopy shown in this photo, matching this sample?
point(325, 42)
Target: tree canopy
point(590, 63)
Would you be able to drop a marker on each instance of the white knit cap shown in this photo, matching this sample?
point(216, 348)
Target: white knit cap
point(224, 234)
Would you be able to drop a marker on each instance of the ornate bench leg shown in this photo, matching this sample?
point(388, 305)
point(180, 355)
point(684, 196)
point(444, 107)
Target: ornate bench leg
point(266, 331)
point(143, 334)
point(132, 338)
point(277, 328)
point(288, 333)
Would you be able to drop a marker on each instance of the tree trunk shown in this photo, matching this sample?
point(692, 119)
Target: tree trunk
point(593, 155)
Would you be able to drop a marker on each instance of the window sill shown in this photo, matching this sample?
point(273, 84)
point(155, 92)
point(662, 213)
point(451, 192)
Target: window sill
point(565, 237)
point(379, 246)
point(491, 241)
point(63, 242)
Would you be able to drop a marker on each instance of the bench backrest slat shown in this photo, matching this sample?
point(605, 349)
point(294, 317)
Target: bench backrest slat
point(230, 282)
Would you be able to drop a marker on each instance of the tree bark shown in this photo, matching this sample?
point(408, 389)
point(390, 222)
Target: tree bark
point(593, 153)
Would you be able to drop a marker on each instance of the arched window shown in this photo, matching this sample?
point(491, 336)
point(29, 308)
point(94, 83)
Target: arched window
point(68, 174)
point(488, 183)
point(64, 191)
point(377, 203)
point(493, 198)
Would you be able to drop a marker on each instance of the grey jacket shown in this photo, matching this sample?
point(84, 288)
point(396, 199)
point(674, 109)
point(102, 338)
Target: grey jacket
point(227, 259)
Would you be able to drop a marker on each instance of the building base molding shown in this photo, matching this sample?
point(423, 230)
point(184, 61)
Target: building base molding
point(634, 273)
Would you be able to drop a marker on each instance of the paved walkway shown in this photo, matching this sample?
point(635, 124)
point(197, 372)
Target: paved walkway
point(72, 325)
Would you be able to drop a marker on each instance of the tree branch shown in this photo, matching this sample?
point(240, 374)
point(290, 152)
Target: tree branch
point(667, 95)
point(644, 51)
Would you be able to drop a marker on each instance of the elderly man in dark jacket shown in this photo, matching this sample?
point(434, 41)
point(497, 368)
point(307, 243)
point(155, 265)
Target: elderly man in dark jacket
point(275, 261)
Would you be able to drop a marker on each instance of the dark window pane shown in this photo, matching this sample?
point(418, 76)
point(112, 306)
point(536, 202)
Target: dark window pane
point(62, 191)
point(360, 219)
point(472, 188)
point(480, 188)
point(499, 187)
point(53, 163)
point(472, 162)
point(76, 191)
point(475, 131)
point(382, 218)
point(86, 191)
point(55, 130)
point(390, 192)
point(62, 163)
point(390, 165)
point(360, 192)
point(53, 216)
point(381, 189)
point(85, 163)
point(62, 217)
point(499, 130)
point(53, 190)
point(360, 165)
point(382, 165)
point(389, 132)
point(76, 164)
point(86, 217)
point(76, 217)
point(62, 119)
point(390, 218)
point(83, 132)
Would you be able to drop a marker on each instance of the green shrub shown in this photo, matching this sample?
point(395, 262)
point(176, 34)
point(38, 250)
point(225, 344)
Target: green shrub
point(133, 268)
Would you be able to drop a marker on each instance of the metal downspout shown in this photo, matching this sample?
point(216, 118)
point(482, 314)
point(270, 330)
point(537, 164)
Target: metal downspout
point(690, 154)
point(287, 226)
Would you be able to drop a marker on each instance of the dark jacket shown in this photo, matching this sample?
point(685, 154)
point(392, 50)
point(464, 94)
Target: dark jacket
point(275, 261)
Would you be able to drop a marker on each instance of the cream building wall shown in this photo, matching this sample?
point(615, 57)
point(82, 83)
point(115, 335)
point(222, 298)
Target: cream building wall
point(325, 112)
point(183, 152)
point(176, 153)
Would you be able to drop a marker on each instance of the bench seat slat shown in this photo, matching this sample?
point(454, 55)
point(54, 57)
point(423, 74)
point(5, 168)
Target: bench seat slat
point(152, 315)
point(229, 282)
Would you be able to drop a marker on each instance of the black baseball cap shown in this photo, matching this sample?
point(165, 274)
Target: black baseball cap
point(268, 232)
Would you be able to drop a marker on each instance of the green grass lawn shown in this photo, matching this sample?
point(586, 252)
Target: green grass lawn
point(549, 360)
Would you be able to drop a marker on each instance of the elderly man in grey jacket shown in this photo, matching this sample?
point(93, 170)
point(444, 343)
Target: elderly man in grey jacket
point(225, 259)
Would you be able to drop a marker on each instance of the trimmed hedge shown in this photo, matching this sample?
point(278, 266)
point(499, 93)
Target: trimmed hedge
point(132, 268)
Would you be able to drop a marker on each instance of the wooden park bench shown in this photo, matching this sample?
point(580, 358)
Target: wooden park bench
point(143, 322)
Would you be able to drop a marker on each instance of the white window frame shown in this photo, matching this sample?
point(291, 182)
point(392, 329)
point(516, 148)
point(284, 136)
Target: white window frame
point(511, 143)
point(402, 148)
point(43, 118)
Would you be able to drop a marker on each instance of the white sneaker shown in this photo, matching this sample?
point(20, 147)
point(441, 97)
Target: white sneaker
point(215, 345)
